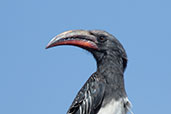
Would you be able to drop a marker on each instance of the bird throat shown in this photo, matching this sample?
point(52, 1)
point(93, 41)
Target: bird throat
point(110, 62)
point(111, 68)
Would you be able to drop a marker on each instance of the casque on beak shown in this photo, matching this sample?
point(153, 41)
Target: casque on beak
point(80, 38)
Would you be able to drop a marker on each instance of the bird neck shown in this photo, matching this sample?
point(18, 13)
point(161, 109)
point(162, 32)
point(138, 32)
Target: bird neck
point(110, 61)
point(110, 66)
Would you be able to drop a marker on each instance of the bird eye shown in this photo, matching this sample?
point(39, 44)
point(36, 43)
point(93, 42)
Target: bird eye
point(102, 38)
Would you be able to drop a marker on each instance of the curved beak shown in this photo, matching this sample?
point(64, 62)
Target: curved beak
point(80, 38)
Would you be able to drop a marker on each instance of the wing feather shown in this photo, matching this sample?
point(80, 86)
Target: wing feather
point(90, 97)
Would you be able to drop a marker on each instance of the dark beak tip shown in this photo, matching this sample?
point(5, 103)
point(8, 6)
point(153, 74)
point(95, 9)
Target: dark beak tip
point(47, 47)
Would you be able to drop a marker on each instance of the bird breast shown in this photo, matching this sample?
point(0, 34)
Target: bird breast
point(115, 107)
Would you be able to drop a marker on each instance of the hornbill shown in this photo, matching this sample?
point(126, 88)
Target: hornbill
point(104, 91)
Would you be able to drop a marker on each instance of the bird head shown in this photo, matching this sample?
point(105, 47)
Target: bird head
point(99, 43)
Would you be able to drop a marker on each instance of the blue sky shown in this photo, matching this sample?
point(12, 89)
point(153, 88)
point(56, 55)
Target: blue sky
point(38, 81)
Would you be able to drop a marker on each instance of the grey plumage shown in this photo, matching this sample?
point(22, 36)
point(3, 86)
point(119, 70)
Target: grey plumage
point(90, 96)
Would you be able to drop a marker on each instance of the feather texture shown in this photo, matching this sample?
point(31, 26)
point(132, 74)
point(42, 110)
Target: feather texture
point(90, 97)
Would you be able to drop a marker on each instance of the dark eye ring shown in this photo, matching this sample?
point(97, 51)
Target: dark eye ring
point(102, 38)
